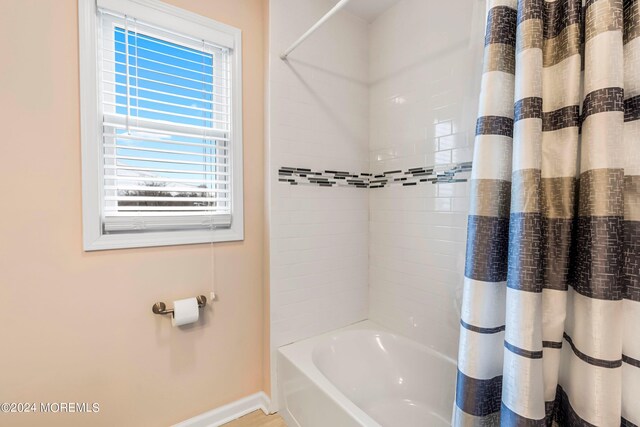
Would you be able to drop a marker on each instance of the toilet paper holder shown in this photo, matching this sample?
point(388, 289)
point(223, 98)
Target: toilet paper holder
point(161, 308)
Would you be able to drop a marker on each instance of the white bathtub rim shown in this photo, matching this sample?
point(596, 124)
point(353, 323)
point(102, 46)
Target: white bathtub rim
point(300, 354)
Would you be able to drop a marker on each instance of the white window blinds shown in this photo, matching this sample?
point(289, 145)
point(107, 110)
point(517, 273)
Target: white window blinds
point(165, 103)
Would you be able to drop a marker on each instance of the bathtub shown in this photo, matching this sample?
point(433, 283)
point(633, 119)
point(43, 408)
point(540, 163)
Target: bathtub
point(363, 375)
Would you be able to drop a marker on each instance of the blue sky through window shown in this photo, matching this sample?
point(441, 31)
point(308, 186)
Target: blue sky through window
point(171, 83)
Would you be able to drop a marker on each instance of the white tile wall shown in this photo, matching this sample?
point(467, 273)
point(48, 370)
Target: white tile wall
point(318, 102)
point(398, 93)
point(425, 59)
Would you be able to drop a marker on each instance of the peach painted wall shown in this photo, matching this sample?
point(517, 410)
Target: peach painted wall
point(76, 326)
point(266, 360)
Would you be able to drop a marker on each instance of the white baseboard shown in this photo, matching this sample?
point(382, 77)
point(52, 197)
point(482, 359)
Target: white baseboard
point(229, 412)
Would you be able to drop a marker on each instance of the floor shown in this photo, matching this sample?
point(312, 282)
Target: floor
point(257, 419)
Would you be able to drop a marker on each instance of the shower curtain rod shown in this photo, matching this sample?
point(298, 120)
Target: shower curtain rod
point(311, 30)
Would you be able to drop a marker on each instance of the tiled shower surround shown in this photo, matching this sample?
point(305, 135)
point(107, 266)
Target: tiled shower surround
point(358, 111)
point(318, 102)
point(425, 79)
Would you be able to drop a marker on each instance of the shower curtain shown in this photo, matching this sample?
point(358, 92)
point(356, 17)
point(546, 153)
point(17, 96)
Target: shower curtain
point(550, 322)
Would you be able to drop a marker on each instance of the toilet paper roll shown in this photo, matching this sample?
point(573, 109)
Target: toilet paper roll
point(185, 311)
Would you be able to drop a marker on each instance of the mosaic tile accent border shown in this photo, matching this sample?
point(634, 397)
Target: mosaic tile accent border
point(441, 174)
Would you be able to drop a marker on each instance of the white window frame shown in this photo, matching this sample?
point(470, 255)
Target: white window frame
point(182, 21)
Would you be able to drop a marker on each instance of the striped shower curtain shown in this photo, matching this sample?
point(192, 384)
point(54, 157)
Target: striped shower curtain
point(550, 328)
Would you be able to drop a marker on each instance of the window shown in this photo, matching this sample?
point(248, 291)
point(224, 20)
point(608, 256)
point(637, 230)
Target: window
point(161, 126)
